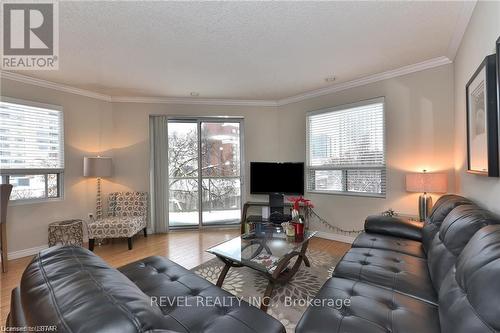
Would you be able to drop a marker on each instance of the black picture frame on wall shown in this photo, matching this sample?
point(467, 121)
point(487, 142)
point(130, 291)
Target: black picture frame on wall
point(498, 78)
point(482, 120)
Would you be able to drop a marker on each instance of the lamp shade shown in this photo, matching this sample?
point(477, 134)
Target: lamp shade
point(427, 182)
point(97, 166)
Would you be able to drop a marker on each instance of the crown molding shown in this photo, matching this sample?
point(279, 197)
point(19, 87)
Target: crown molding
point(132, 99)
point(428, 64)
point(194, 101)
point(53, 85)
point(460, 28)
point(421, 66)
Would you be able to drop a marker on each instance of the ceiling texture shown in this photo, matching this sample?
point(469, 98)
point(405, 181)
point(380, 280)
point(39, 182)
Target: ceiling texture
point(245, 50)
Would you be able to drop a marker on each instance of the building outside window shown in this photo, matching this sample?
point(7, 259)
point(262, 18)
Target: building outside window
point(31, 149)
point(346, 149)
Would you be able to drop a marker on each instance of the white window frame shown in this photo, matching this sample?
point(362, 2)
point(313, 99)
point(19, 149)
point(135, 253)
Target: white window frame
point(344, 170)
point(5, 174)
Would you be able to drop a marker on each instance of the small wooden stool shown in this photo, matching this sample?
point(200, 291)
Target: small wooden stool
point(68, 232)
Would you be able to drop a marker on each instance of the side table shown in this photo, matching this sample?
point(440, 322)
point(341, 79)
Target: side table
point(69, 232)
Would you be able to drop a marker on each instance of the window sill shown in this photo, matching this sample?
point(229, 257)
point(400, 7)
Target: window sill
point(350, 194)
point(33, 201)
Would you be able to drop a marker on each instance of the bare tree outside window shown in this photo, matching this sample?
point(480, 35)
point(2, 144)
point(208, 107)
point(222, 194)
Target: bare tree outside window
point(215, 153)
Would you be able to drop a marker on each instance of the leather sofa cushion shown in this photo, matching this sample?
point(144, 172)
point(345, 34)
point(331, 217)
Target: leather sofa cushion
point(385, 242)
point(461, 224)
point(403, 273)
point(455, 232)
point(428, 232)
point(394, 226)
point(468, 298)
point(444, 205)
point(372, 309)
point(441, 209)
point(76, 290)
point(187, 292)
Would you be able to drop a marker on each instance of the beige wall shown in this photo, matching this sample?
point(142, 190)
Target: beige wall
point(419, 116)
point(478, 42)
point(419, 127)
point(419, 135)
point(87, 128)
point(131, 136)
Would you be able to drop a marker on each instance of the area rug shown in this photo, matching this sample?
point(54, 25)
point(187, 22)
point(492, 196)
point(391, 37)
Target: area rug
point(288, 301)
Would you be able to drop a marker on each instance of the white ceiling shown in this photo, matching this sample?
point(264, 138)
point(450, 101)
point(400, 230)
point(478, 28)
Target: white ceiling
point(244, 50)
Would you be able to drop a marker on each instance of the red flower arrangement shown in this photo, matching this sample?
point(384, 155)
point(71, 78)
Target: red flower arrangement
point(298, 200)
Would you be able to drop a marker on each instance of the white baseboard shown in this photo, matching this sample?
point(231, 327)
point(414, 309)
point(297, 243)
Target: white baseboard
point(335, 237)
point(26, 252)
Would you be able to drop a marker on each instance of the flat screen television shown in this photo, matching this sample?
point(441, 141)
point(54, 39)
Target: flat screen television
point(282, 178)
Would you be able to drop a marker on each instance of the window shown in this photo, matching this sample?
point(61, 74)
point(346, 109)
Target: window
point(31, 149)
point(345, 149)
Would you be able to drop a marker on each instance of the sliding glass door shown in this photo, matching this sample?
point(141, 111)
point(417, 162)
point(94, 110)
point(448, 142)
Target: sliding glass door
point(183, 182)
point(205, 176)
point(220, 172)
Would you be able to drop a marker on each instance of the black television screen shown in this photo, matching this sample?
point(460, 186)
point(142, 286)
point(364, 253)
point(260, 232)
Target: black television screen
point(285, 178)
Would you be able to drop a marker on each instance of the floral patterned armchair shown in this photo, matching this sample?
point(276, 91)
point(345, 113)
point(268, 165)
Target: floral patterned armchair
point(127, 215)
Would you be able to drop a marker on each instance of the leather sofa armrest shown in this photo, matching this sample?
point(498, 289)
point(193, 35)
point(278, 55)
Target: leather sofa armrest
point(394, 226)
point(16, 318)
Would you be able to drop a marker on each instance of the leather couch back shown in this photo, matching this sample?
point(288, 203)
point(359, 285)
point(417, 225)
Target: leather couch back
point(77, 291)
point(441, 209)
point(468, 298)
point(456, 230)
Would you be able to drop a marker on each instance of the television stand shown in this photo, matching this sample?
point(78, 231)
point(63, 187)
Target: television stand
point(245, 218)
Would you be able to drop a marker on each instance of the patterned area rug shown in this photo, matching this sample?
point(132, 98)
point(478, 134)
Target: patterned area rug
point(288, 301)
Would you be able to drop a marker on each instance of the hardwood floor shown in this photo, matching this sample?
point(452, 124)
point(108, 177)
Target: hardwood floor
point(186, 248)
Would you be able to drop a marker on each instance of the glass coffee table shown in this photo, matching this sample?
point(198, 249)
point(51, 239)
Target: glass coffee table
point(268, 251)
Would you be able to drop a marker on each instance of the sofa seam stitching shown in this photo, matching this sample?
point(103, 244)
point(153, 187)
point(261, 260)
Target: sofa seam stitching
point(110, 297)
point(52, 296)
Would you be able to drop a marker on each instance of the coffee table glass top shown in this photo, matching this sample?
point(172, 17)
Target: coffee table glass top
point(260, 250)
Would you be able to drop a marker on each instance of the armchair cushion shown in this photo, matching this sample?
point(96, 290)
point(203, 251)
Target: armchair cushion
point(128, 204)
point(116, 227)
point(394, 226)
point(127, 215)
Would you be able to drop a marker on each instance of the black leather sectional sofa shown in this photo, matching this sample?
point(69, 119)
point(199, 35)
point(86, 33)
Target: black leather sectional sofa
point(70, 289)
point(399, 276)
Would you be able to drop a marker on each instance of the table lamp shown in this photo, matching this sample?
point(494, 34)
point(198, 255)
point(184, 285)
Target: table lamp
point(97, 167)
point(424, 182)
